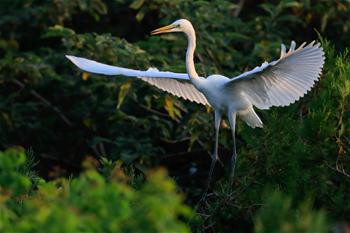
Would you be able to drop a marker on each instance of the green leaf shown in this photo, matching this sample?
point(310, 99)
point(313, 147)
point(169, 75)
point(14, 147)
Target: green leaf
point(123, 90)
point(58, 31)
point(173, 110)
point(137, 4)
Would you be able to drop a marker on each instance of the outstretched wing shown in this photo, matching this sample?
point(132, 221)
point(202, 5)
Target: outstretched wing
point(180, 89)
point(100, 68)
point(281, 82)
point(165, 81)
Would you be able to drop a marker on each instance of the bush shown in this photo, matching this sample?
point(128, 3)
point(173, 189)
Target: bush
point(278, 216)
point(88, 203)
point(67, 116)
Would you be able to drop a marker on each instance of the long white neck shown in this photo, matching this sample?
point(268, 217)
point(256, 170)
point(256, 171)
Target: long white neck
point(191, 70)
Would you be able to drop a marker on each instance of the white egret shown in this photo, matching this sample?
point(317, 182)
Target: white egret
point(278, 83)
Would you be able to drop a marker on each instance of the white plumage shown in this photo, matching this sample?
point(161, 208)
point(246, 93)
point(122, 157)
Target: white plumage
point(278, 83)
point(180, 89)
point(162, 80)
point(284, 81)
point(100, 68)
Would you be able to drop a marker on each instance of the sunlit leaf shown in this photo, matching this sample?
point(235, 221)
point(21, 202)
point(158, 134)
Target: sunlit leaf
point(136, 4)
point(123, 90)
point(58, 31)
point(85, 76)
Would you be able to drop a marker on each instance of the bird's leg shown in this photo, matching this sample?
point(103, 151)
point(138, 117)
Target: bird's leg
point(214, 156)
point(232, 120)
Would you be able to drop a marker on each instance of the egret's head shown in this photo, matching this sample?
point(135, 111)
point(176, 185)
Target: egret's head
point(180, 25)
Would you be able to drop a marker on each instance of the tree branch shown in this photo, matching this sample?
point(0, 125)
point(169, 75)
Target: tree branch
point(45, 101)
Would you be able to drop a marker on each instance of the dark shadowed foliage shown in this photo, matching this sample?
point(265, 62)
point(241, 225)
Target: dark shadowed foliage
point(94, 145)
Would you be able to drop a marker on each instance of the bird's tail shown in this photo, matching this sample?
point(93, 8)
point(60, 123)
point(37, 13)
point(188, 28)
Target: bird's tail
point(250, 117)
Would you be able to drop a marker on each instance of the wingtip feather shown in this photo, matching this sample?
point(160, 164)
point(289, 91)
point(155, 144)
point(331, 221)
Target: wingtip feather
point(70, 57)
point(73, 59)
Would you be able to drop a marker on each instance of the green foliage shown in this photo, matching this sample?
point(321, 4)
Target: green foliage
point(66, 115)
point(10, 179)
point(88, 203)
point(278, 216)
point(301, 151)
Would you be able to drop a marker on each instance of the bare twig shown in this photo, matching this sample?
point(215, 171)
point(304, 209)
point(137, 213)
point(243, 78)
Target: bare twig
point(102, 148)
point(170, 141)
point(239, 8)
point(339, 170)
point(182, 153)
point(149, 109)
point(45, 101)
point(97, 152)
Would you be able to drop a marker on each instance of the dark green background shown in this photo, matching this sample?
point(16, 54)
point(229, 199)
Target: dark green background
point(298, 161)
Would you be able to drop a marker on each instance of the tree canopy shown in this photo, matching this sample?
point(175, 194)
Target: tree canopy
point(104, 152)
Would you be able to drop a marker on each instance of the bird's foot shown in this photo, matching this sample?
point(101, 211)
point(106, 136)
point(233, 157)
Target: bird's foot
point(215, 157)
point(232, 173)
point(203, 198)
point(231, 180)
point(205, 194)
point(221, 163)
point(232, 169)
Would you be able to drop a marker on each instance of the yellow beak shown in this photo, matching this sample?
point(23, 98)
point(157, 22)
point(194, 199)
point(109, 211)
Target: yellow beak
point(162, 30)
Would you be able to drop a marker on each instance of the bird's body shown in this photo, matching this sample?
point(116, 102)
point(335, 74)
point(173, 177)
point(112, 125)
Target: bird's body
point(278, 83)
point(212, 87)
point(226, 101)
point(222, 99)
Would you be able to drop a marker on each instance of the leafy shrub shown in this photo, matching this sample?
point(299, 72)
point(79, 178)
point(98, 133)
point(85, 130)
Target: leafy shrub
point(10, 178)
point(66, 115)
point(88, 203)
point(278, 216)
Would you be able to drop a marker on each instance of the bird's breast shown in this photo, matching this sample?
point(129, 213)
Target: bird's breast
point(221, 98)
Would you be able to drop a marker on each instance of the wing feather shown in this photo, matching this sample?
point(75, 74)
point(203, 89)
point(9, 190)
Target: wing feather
point(165, 81)
point(282, 82)
point(100, 68)
point(184, 90)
